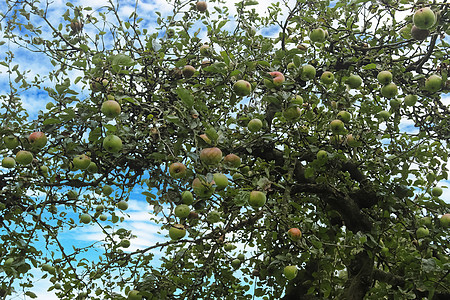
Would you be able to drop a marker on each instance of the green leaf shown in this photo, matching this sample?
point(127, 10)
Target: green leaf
point(186, 97)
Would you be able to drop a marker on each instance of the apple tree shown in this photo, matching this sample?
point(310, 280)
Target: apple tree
point(295, 152)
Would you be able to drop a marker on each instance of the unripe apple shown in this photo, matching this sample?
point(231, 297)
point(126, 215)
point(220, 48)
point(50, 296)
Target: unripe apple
point(72, 195)
point(337, 126)
point(122, 205)
point(354, 81)
point(220, 180)
point(351, 141)
point(290, 272)
point(419, 34)
point(433, 83)
point(177, 232)
point(81, 162)
point(322, 155)
point(177, 170)
point(344, 116)
point(257, 199)
point(211, 156)
point(395, 103)
point(384, 115)
point(436, 191)
point(232, 161)
point(203, 189)
point(182, 211)
point(422, 232)
point(278, 78)
point(317, 35)
point(99, 208)
point(308, 72)
point(103, 217)
point(445, 220)
point(8, 162)
point(107, 190)
point(410, 100)
point(112, 143)
point(44, 170)
point(424, 18)
point(37, 140)
point(236, 263)
point(384, 77)
point(111, 108)
point(242, 88)
point(296, 101)
point(8, 263)
point(188, 71)
point(11, 142)
point(124, 243)
point(426, 221)
point(327, 77)
point(228, 247)
point(187, 197)
point(201, 6)
point(24, 157)
point(92, 168)
point(254, 125)
point(85, 218)
point(204, 50)
point(294, 234)
point(213, 217)
point(389, 90)
point(292, 113)
point(134, 295)
point(205, 138)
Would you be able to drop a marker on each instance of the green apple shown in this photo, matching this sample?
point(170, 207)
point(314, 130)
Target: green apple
point(317, 35)
point(405, 31)
point(290, 272)
point(241, 256)
point(205, 50)
point(232, 161)
point(8, 162)
point(236, 263)
point(38, 140)
point(103, 217)
point(322, 155)
point(410, 100)
point(424, 18)
point(177, 232)
point(99, 208)
point(419, 34)
point(122, 205)
point(11, 142)
point(201, 6)
point(255, 125)
point(354, 81)
point(8, 263)
point(384, 77)
point(327, 77)
point(188, 71)
point(395, 103)
point(344, 116)
point(445, 220)
point(242, 88)
point(422, 232)
point(92, 168)
point(296, 101)
point(294, 234)
point(213, 217)
point(228, 247)
point(220, 180)
point(187, 197)
point(125, 243)
point(111, 108)
point(134, 295)
point(433, 83)
point(81, 162)
point(308, 72)
point(384, 115)
point(107, 190)
point(112, 143)
point(205, 138)
point(384, 251)
point(44, 170)
point(211, 156)
point(351, 141)
point(436, 191)
point(257, 199)
point(292, 113)
point(426, 221)
point(182, 211)
point(24, 157)
point(202, 189)
point(177, 170)
point(337, 126)
point(85, 218)
point(72, 195)
point(390, 90)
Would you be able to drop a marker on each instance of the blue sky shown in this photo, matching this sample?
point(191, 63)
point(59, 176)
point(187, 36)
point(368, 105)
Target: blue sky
point(139, 211)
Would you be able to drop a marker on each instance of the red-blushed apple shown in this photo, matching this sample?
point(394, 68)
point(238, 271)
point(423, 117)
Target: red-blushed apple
point(85, 218)
point(294, 234)
point(187, 197)
point(419, 34)
point(436, 191)
point(8, 162)
point(112, 143)
point(177, 170)
point(337, 126)
point(344, 116)
point(433, 83)
point(188, 71)
point(122, 205)
point(182, 211)
point(254, 125)
point(205, 138)
point(317, 35)
point(424, 18)
point(390, 90)
point(384, 77)
point(38, 139)
point(327, 77)
point(81, 162)
point(354, 81)
point(24, 157)
point(11, 142)
point(201, 6)
point(242, 88)
point(308, 72)
point(232, 161)
point(220, 180)
point(177, 231)
point(277, 78)
point(211, 156)
point(257, 199)
point(203, 189)
point(111, 108)
point(290, 272)
point(445, 220)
